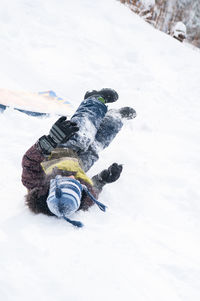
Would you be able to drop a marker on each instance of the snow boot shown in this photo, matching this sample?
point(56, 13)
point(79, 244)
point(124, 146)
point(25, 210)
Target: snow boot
point(127, 113)
point(108, 95)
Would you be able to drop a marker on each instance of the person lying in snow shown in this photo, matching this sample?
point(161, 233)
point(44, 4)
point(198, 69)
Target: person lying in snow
point(54, 168)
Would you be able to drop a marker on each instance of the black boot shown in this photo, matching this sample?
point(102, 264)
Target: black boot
point(109, 95)
point(127, 112)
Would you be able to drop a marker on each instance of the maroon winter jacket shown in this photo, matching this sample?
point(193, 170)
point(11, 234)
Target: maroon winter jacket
point(37, 182)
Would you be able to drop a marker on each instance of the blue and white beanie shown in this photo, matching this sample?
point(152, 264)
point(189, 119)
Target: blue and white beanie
point(64, 198)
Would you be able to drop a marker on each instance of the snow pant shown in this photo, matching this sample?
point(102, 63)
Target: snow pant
point(97, 128)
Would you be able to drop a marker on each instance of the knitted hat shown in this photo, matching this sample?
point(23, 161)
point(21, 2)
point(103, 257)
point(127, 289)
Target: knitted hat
point(64, 198)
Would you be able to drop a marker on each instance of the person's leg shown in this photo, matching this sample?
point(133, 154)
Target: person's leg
point(88, 117)
point(108, 129)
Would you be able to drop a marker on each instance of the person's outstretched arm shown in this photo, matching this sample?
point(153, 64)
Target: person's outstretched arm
point(32, 173)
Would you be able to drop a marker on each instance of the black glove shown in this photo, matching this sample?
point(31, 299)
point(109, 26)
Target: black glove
point(111, 174)
point(60, 132)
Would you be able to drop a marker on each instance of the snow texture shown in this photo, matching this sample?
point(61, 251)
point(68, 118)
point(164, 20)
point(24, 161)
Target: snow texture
point(147, 245)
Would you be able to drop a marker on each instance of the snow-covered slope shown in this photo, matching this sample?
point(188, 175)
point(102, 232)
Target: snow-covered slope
point(146, 247)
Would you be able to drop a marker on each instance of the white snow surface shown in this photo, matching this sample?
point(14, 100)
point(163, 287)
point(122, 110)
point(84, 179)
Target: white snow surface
point(147, 245)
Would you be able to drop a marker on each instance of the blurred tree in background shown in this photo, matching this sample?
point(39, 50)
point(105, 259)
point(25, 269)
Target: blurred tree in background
point(164, 14)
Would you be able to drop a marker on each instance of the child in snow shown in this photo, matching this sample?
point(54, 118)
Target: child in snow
point(54, 168)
